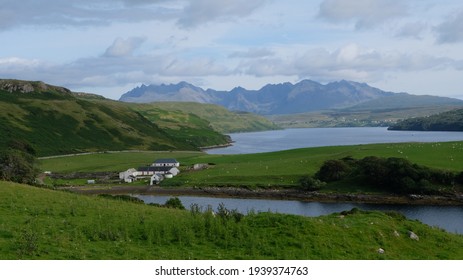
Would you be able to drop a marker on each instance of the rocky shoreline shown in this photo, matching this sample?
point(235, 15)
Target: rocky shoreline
point(277, 194)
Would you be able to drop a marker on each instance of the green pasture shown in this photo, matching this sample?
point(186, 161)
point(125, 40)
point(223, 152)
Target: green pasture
point(109, 161)
point(282, 168)
point(45, 224)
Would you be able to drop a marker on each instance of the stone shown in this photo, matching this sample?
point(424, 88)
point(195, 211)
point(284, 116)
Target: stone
point(380, 251)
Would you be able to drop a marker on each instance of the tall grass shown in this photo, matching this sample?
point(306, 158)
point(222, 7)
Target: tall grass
point(44, 224)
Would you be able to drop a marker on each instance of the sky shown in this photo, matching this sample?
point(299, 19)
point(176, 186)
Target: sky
point(108, 47)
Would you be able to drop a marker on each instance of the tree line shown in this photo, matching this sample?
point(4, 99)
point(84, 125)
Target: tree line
point(447, 121)
point(395, 175)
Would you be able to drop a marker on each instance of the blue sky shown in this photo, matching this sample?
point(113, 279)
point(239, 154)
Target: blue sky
point(110, 46)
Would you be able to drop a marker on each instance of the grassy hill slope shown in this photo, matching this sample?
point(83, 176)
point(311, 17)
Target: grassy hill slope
point(56, 121)
point(219, 117)
point(44, 224)
point(357, 117)
point(181, 125)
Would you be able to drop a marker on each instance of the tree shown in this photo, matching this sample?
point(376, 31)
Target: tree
point(333, 170)
point(18, 163)
point(174, 202)
point(311, 184)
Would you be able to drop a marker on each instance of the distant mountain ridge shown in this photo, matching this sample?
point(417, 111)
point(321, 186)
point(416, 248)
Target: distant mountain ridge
point(285, 98)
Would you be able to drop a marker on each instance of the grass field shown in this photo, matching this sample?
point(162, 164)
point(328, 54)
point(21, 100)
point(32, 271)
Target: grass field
point(44, 224)
point(282, 168)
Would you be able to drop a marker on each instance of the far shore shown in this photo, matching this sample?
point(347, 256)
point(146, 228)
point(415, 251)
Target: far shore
point(276, 194)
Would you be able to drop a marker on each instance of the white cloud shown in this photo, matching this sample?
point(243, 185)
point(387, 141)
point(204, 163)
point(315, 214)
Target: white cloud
point(451, 30)
point(188, 14)
point(412, 30)
point(124, 47)
point(201, 11)
point(364, 13)
point(14, 67)
point(348, 62)
point(229, 42)
point(119, 66)
point(82, 12)
point(252, 53)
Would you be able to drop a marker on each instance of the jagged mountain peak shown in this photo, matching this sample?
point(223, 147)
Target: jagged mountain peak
point(282, 98)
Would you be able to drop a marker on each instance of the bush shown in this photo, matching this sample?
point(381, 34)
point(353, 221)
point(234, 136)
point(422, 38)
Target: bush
point(18, 163)
point(309, 183)
point(396, 175)
point(174, 202)
point(333, 170)
point(226, 214)
point(374, 170)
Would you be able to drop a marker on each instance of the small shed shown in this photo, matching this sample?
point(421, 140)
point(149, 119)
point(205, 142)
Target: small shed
point(174, 171)
point(128, 176)
point(156, 179)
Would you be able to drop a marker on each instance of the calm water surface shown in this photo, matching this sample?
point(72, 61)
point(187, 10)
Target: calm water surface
point(449, 218)
point(277, 140)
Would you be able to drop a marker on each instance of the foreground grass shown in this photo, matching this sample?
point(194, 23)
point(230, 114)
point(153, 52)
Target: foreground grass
point(283, 168)
point(45, 224)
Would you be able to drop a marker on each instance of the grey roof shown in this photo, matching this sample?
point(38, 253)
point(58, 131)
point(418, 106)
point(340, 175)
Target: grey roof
point(154, 168)
point(166, 160)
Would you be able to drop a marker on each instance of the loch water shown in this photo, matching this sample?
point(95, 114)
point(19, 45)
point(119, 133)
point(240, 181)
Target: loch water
point(277, 140)
point(449, 218)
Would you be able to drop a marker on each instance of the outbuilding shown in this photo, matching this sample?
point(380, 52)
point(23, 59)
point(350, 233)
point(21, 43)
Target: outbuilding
point(164, 162)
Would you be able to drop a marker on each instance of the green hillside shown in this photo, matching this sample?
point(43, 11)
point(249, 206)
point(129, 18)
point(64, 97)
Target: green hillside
point(45, 224)
point(446, 121)
point(357, 117)
point(219, 117)
point(56, 121)
point(183, 126)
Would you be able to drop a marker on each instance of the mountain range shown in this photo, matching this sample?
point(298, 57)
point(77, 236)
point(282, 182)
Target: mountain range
point(286, 98)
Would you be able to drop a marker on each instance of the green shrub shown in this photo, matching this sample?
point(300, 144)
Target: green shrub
point(18, 163)
point(397, 175)
point(333, 170)
point(309, 183)
point(174, 202)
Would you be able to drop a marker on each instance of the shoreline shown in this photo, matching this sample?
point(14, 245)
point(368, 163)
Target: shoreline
point(273, 194)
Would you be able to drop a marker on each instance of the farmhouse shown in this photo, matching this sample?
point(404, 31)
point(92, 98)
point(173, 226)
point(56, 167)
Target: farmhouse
point(166, 162)
point(158, 171)
point(128, 176)
point(162, 170)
